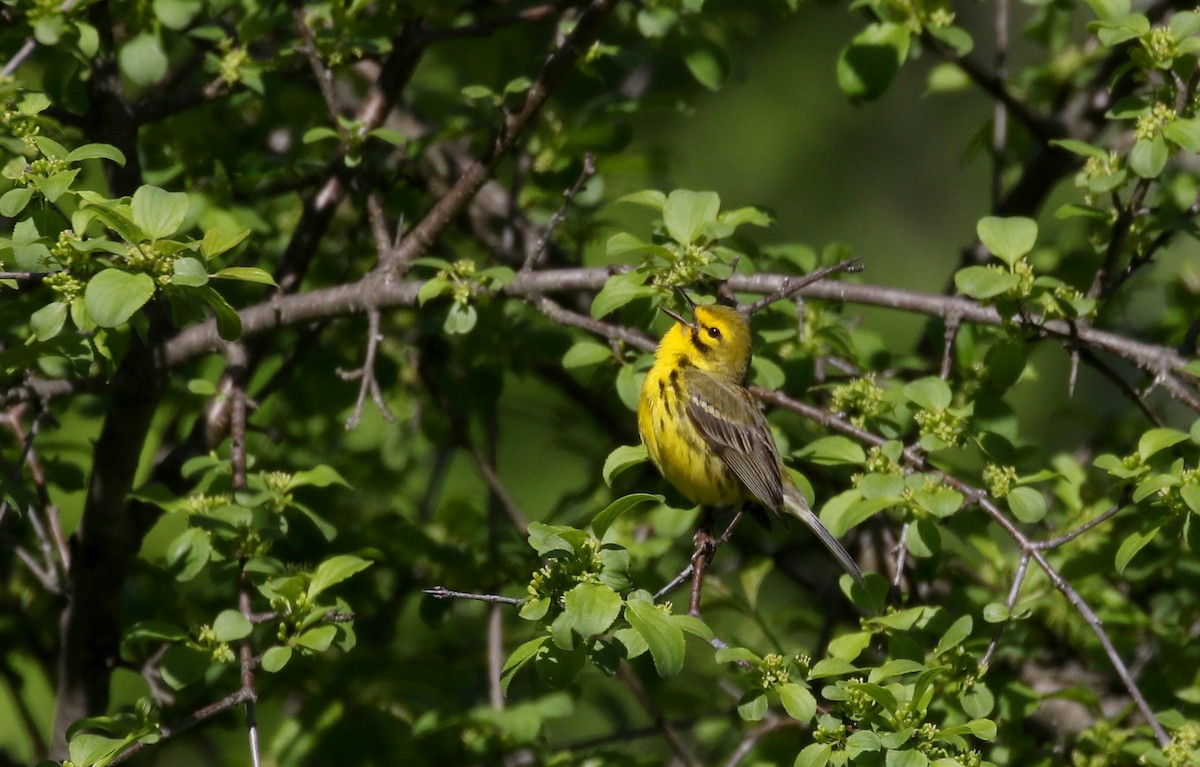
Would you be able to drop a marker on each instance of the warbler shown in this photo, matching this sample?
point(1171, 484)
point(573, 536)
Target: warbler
point(703, 430)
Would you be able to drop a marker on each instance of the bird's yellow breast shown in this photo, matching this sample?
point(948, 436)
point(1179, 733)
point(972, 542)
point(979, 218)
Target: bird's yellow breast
point(675, 446)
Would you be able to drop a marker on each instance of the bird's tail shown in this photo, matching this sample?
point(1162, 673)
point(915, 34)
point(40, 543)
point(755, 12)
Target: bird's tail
point(795, 505)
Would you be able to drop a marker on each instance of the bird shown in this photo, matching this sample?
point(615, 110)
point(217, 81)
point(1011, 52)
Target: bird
point(702, 429)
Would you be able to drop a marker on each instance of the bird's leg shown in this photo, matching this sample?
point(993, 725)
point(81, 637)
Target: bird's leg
point(702, 554)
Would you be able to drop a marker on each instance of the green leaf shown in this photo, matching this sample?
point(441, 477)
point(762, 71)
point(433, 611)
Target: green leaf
point(621, 459)
point(686, 214)
point(189, 272)
point(753, 705)
point(650, 198)
point(1008, 239)
point(1149, 156)
point(954, 636)
point(591, 608)
point(735, 655)
point(1157, 440)
point(908, 757)
point(924, 539)
point(765, 373)
point(88, 748)
point(977, 701)
point(231, 626)
point(518, 659)
point(176, 14)
point(881, 695)
point(1109, 9)
point(995, 612)
point(617, 508)
point(245, 274)
point(1081, 148)
point(932, 394)
point(113, 295)
point(707, 63)
point(157, 212)
point(984, 282)
point(96, 152)
point(558, 667)
point(867, 66)
point(827, 667)
point(461, 319)
point(849, 646)
point(585, 354)
point(1184, 132)
point(320, 475)
point(181, 665)
point(48, 321)
point(218, 241)
point(797, 701)
point(894, 668)
point(319, 638)
point(52, 187)
point(229, 324)
point(1026, 504)
point(275, 658)
point(861, 742)
point(143, 60)
point(814, 755)
point(619, 290)
point(14, 201)
point(664, 637)
point(1131, 546)
point(335, 570)
point(833, 451)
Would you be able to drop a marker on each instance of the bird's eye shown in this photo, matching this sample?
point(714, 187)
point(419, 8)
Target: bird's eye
point(714, 333)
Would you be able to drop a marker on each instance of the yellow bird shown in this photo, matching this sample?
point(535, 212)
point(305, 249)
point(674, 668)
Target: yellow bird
point(703, 430)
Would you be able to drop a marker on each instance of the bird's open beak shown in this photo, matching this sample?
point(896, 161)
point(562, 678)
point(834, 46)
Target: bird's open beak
point(691, 307)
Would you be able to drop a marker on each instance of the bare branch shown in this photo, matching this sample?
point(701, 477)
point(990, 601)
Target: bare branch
point(438, 592)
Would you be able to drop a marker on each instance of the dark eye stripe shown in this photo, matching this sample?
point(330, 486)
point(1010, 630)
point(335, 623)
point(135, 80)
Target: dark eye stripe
point(702, 347)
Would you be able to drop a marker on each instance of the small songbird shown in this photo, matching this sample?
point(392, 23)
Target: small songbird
point(703, 430)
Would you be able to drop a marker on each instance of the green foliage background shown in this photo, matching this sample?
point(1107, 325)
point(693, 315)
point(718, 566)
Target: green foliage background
point(279, 360)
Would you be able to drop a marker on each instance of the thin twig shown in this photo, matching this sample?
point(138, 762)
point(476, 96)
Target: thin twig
point(366, 374)
point(495, 656)
point(754, 735)
point(199, 715)
point(537, 255)
point(1053, 543)
point(489, 475)
point(677, 744)
point(792, 285)
point(321, 73)
point(488, 26)
point(30, 45)
point(439, 592)
point(953, 323)
point(235, 355)
point(901, 552)
point(1013, 591)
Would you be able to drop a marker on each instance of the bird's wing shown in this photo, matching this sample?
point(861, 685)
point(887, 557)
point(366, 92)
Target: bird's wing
point(733, 427)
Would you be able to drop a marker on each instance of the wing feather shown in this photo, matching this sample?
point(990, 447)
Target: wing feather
point(736, 430)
